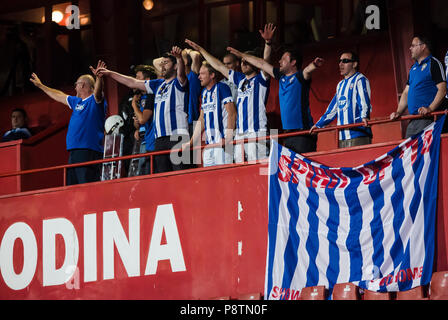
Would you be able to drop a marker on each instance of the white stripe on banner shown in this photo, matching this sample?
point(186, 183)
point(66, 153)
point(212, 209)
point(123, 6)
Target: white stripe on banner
point(369, 225)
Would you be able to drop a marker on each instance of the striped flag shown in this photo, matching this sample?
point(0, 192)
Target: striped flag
point(372, 225)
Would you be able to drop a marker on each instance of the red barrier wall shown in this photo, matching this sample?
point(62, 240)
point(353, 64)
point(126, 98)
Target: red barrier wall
point(220, 218)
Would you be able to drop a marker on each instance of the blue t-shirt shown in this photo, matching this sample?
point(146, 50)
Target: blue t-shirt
point(195, 91)
point(86, 127)
point(422, 81)
point(147, 103)
point(294, 101)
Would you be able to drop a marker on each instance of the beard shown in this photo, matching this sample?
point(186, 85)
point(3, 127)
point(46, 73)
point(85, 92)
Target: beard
point(168, 73)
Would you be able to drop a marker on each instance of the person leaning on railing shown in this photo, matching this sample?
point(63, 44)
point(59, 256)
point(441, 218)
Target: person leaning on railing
point(426, 87)
point(19, 129)
point(350, 104)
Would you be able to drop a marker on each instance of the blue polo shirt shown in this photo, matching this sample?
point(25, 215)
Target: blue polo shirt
point(422, 81)
point(147, 103)
point(194, 86)
point(294, 101)
point(86, 126)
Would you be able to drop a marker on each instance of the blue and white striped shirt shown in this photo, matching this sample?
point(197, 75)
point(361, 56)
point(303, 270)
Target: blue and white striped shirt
point(446, 73)
point(170, 106)
point(350, 104)
point(213, 103)
point(251, 103)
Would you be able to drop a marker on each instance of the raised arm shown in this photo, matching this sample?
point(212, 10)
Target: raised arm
point(157, 64)
point(214, 62)
point(99, 83)
point(196, 60)
point(313, 66)
point(54, 94)
point(129, 82)
point(181, 76)
point(255, 61)
point(267, 34)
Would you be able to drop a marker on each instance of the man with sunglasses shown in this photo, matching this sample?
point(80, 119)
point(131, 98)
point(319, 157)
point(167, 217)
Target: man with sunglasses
point(425, 89)
point(350, 104)
point(170, 106)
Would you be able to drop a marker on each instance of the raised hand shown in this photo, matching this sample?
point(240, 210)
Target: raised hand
point(35, 80)
point(318, 62)
point(176, 52)
point(237, 53)
point(192, 44)
point(100, 66)
point(268, 32)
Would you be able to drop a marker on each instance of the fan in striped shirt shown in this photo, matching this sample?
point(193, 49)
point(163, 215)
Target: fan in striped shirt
point(217, 117)
point(253, 90)
point(170, 107)
point(351, 104)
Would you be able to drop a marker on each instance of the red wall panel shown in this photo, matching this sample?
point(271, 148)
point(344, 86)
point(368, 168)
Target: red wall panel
point(221, 218)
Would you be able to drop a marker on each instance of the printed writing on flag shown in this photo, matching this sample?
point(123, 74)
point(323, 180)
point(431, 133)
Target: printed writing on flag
point(334, 177)
point(402, 276)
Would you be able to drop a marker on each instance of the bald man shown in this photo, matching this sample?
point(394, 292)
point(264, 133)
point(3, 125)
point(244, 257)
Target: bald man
point(86, 128)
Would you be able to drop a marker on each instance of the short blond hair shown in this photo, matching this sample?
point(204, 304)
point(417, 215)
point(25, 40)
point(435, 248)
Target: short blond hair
point(88, 79)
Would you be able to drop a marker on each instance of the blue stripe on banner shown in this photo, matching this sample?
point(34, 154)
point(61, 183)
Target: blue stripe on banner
point(404, 282)
point(292, 244)
point(275, 194)
point(376, 225)
point(430, 191)
point(396, 251)
point(332, 224)
point(312, 243)
point(355, 211)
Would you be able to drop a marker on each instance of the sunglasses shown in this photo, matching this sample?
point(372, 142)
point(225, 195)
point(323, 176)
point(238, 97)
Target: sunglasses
point(346, 60)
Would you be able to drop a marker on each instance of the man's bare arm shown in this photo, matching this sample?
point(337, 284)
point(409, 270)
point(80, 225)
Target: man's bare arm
point(214, 62)
point(313, 66)
point(255, 61)
point(129, 82)
point(55, 94)
point(402, 105)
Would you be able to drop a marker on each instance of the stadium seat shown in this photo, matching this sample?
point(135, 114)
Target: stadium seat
point(439, 286)
point(417, 293)
point(373, 295)
point(250, 296)
point(313, 293)
point(346, 291)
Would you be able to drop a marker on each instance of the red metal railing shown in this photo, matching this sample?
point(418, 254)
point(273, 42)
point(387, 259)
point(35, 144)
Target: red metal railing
point(238, 142)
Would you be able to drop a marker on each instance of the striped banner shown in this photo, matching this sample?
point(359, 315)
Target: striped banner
point(372, 225)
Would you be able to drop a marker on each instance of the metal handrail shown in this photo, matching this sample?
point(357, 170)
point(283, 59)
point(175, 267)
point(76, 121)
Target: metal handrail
point(240, 142)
